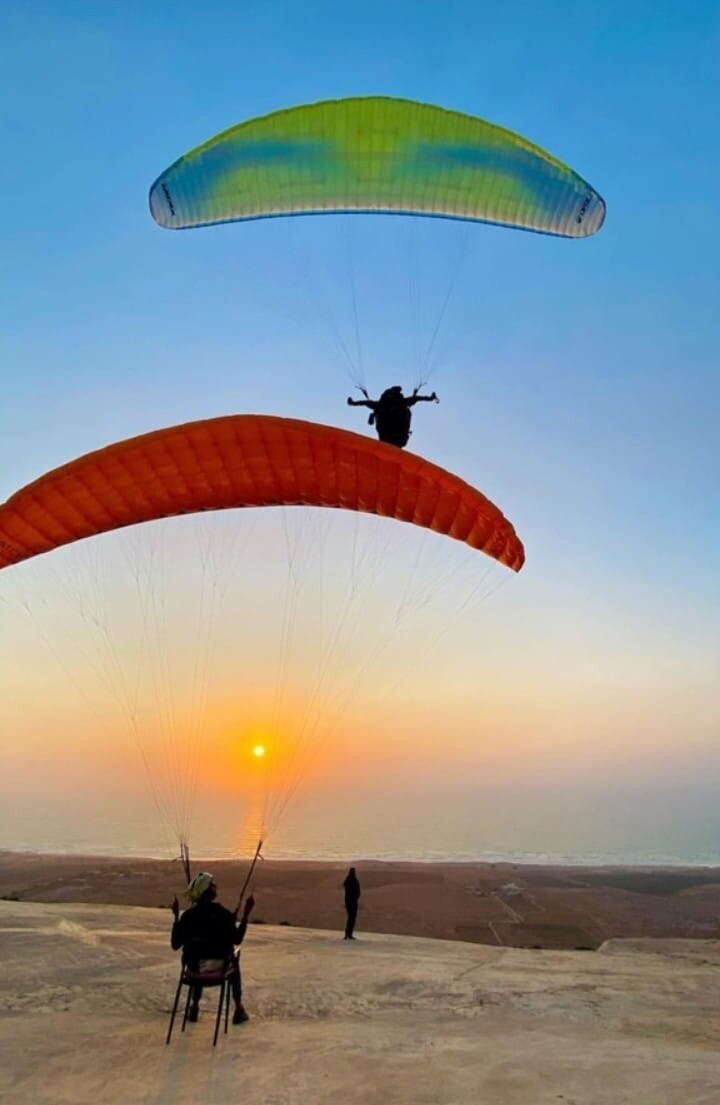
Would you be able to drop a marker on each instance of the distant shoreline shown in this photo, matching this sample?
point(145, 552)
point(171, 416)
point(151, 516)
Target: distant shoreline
point(507, 859)
point(501, 903)
point(589, 864)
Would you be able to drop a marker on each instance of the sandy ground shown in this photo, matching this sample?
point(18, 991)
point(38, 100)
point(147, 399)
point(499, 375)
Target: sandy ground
point(85, 992)
point(500, 904)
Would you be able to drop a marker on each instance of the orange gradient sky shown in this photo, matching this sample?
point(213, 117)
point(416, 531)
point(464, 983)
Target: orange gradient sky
point(393, 716)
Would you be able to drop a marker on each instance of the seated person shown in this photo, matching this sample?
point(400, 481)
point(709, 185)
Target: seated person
point(208, 934)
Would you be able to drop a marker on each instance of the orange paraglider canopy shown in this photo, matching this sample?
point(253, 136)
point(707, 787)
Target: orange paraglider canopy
point(246, 460)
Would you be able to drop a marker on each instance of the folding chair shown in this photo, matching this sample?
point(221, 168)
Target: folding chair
point(209, 979)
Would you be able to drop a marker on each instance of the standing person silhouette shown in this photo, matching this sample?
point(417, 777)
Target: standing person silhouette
point(352, 900)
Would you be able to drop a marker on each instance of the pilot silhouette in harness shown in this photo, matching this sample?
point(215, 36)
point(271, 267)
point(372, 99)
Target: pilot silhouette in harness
point(391, 414)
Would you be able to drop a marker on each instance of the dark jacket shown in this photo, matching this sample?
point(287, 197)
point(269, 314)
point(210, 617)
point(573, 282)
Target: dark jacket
point(352, 890)
point(207, 930)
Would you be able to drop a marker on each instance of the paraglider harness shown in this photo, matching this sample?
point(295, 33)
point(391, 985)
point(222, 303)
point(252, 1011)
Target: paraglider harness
point(406, 432)
point(391, 414)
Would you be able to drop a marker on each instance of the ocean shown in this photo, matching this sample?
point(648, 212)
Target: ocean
point(535, 827)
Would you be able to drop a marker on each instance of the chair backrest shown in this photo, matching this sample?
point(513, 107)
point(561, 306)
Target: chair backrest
point(205, 968)
point(204, 978)
point(197, 949)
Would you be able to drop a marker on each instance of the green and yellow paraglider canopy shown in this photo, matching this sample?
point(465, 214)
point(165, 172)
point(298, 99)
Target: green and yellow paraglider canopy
point(378, 155)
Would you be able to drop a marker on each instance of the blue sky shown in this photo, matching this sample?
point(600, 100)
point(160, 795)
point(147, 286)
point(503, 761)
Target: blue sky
point(579, 380)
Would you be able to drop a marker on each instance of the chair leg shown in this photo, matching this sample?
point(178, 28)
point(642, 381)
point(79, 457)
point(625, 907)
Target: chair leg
point(190, 992)
point(223, 984)
point(228, 988)
point(174, 1011)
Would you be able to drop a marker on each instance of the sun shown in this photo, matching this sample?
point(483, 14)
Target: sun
point(259, 751)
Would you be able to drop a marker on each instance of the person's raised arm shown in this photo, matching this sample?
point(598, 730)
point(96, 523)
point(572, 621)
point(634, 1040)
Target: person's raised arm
point(176, 937)
point(241, 927)
point(415, 398)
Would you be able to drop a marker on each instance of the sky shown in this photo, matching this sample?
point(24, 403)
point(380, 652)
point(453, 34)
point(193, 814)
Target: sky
point(579, 390)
